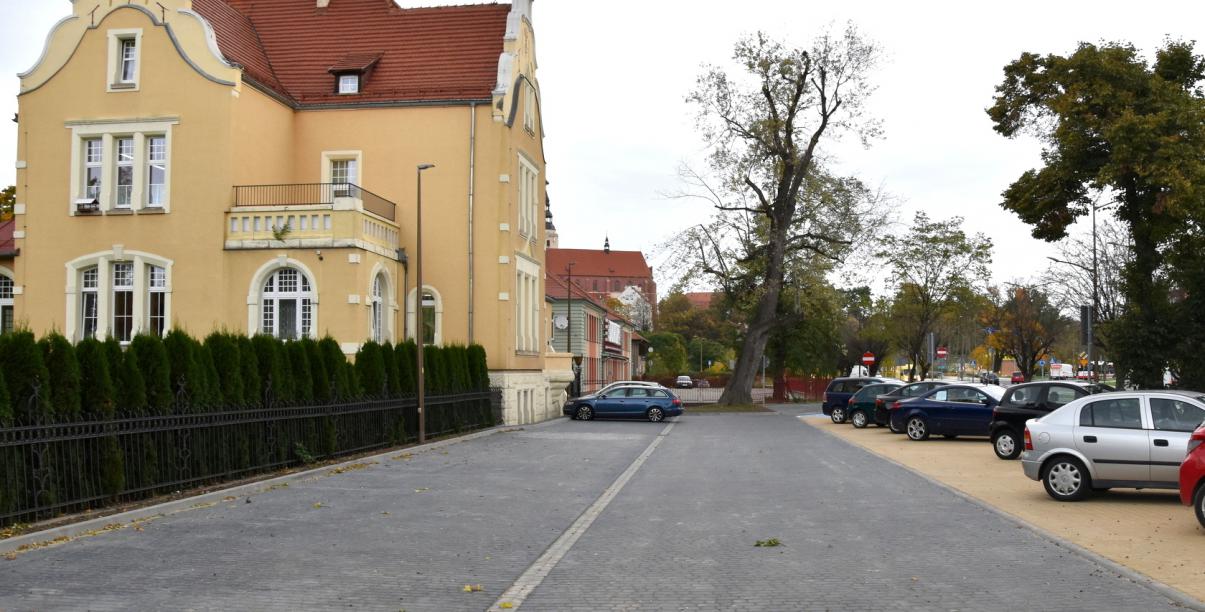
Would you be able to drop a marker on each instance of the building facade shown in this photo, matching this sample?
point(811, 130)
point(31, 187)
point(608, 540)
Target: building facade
point(623, 275)
point(252, 165)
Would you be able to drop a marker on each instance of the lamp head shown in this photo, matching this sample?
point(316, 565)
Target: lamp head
point(422, 167)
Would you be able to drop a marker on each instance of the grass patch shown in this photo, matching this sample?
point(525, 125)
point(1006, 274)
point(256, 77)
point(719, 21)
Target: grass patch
point(716, 408)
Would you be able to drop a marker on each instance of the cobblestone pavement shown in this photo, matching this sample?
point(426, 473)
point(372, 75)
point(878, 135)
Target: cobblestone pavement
point(411, 533)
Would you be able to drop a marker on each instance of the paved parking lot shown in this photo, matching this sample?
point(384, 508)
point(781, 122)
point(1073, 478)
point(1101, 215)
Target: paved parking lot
point(410, 533)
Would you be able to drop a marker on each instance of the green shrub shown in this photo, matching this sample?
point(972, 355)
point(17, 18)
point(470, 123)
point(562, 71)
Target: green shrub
point(370, 370)
point(434, 375)
point(479, 368)
point(127, 378)
point(227, 359)
point(211, 387)
point(253, 389)
point(406, 366)
point(6, 407)
point(63, 369)
point(21, 361)
point(100, 399)
point(299, 368)
point(318, 374)
point(336, 368)
point(273, 368)
point(393, 383)
point(152, 361)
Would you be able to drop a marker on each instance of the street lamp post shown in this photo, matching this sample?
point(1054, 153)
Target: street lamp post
point(420, 316)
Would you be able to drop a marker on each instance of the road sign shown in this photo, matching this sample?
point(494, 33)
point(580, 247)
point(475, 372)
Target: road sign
point(941, 352)
point(1043, 362)
point(868, 358)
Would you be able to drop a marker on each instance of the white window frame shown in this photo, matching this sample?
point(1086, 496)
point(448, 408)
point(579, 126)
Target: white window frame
point(327, 161)
point(529, 195)
point(272, 295)
point(108, 131)
point(413, 323)
point(90, 295)
point(8, 289)
point(156, 286)
point(528, 298)
point(156, 193)
point(103, 289)
point(379, 328)
point(120, 163)
point(116, 81)
point(529, 108)
point(349, 84)
point(92, 162)
point(122, 285)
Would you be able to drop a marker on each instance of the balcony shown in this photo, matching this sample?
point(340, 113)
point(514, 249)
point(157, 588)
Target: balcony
point(312, 215)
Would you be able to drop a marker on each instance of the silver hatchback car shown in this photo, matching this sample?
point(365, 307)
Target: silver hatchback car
point(1125, 439)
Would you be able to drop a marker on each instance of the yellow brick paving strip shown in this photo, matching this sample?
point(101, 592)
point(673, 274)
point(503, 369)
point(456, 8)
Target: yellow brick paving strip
point(1147, 531)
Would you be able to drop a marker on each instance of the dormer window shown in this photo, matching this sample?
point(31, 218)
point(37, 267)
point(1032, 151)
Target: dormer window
point(352, 71)
point(349, 83)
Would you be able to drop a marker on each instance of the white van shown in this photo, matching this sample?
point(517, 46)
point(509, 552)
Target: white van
point(1062, 371)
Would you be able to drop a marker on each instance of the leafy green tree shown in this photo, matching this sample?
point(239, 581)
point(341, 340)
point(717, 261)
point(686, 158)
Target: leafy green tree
point(24, 369)
point(63, 369)
point(931, 263)
point(669, 354)
point(8, 197)
point(1132, 134)
point(1030, 326)
point(772, 201)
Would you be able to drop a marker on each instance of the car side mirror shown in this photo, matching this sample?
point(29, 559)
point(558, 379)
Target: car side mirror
point(603, 396)
point(986, 402)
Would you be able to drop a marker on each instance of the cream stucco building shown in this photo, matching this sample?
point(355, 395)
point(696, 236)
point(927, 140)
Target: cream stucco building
point(252, 165)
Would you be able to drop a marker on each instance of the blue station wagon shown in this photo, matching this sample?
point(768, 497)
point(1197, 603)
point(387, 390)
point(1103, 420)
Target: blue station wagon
point(950, 411)
point(627, 402)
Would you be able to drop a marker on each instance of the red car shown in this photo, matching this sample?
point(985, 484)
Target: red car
point(1192, 475)
point(1017, 378)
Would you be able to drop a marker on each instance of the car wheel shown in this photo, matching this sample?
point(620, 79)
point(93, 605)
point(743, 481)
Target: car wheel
point(858, 418)
point(1005, 444)
point(893, 428)
point(1198, 502)
point(917, 429)
point(1066, 479)
point(656, 415)
point(838, 414)
point(584, 413)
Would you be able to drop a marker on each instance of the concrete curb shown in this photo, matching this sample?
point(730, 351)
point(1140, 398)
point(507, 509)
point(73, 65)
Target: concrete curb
point(94, 526)
point(1178, 597)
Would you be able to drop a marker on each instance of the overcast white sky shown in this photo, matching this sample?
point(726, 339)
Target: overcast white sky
point(615, 74)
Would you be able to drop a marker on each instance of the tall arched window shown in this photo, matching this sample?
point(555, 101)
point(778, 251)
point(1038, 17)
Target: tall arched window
point(6, 304)
point(380, 331)
point(287, 304)
point(429, 325)
point(430, 319)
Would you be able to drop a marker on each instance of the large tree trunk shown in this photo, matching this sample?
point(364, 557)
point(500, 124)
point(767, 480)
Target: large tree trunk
point(740, 387)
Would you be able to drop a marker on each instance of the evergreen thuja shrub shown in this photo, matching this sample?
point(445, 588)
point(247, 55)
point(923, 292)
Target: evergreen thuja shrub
point(153, 363)
point(253, 389)
point(336, 368)
point(6, 407)
point(64, 372)
point(212, 386)
point(321, 381)
point(370, 370)
point(128, 382)
point(299, 368)
point(406, 366)
point(393, 383)
point(227, 360)
point(478, 367)
point(24, 369)
point(99, 401)
point(273, 369)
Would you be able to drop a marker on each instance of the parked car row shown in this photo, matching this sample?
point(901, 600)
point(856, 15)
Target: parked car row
point(628, 399)
point(1077, 438)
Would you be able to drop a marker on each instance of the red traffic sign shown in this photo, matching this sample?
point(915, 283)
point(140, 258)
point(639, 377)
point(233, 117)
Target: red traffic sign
point(868, 358)
point(941, 352)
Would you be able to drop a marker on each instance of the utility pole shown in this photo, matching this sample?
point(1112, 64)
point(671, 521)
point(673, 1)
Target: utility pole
point(1095, 304)
point(420, 316)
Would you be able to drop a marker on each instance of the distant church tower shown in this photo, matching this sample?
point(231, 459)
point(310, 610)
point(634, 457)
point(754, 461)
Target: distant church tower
point(551, 240)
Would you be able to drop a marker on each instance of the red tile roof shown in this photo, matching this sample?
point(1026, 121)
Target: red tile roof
point(557, 288)
point(7, 244)
point(589, 262)
point(426, 54)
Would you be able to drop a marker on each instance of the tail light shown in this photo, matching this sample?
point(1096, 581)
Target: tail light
point(850, 402)
point(895, 406)
point(1028, 440)
point(677, 402)
point(1198, 437)
point(878, 403)
point(826, 397)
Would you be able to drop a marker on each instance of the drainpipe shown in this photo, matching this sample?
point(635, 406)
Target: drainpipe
point(472, 176)
point(405, 261)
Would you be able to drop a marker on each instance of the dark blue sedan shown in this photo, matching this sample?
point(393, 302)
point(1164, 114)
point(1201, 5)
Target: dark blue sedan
point(950, 411)
point(652, 403)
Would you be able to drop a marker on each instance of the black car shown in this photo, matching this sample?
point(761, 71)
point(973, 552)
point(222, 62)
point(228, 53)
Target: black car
point(1026, 401)
point(882, 415)
point(836, 397)
point(989, 378)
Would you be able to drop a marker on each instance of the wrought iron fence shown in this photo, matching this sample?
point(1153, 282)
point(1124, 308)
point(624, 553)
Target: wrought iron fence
point(52, 468)
point(312, 194)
